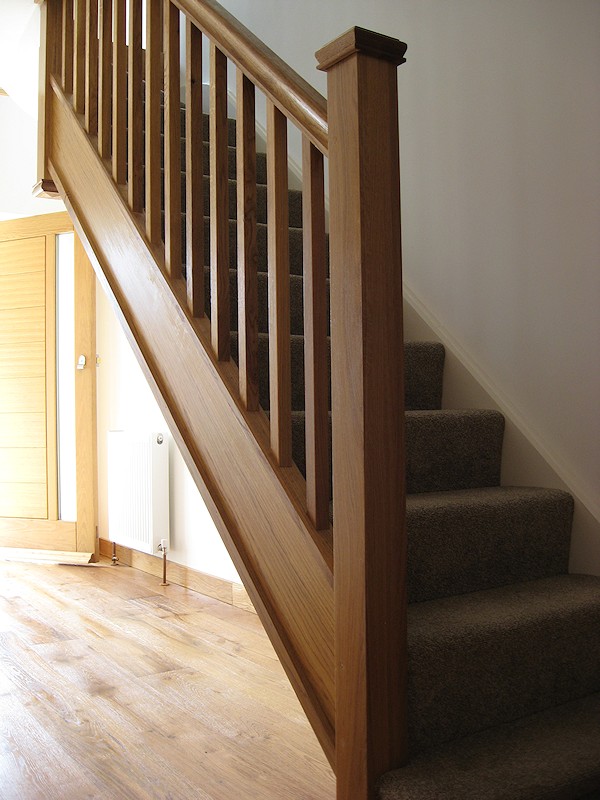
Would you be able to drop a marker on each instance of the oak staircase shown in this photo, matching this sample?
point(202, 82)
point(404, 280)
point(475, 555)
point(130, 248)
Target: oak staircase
point(461, 661)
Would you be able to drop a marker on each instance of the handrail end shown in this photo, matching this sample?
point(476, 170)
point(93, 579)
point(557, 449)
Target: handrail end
point(361, 40)
point(45, 189)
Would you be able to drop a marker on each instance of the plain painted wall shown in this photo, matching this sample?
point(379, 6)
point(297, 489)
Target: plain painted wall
point(125, 402)
point(499, 125)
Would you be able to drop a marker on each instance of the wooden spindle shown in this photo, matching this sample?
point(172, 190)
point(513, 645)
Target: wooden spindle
point(135, 111)
point(247, 243)
point(280, 390)
point(219, 207)
point(105, 79)
point(316, 366)
point(79, 57)
point(119, 92)
point(194, 190)
point(91, 67)
point(173, 261)
point(67, 46)
point(50, 64)
point(368, 409)
point(154, 85)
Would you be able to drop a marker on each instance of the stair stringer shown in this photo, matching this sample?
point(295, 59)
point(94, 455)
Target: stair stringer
point(285, 567)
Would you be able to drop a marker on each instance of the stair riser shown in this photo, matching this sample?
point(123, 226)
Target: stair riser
point(465, 450)
point(261, 162)
point(294, 206)
point(485, 539)
point(295, 244)
point(469, 678)
point(296, 301)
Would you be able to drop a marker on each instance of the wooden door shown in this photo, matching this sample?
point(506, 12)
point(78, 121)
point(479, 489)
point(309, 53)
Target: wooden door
point(29, 513)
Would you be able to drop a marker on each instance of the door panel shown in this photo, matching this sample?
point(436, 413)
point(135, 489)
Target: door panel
point(28, 448)
point(22, 325)
point(22, 465)
point(27, 500)
point(27, 395)
point(22, 359)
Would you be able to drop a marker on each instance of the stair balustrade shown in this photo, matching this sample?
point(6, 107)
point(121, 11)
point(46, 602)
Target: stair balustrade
point(331, 595)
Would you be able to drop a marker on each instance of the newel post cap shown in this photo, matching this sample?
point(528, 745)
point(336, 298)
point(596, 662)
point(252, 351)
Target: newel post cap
point(360, 40)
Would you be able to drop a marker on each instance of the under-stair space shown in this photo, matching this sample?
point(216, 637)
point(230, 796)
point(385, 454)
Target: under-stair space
point(503, 652)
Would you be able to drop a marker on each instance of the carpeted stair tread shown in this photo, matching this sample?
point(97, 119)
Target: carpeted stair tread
point(296, 301)
point(474, 539)
point(418, 386)
point(261, 161)
point(502, 642)
point(295, 245)
point(445, 450)
point(294, 200)
point(525, 647)
point(552, 755)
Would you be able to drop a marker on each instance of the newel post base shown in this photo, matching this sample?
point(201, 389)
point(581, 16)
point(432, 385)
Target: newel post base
point(368, 409)
point(50, 60)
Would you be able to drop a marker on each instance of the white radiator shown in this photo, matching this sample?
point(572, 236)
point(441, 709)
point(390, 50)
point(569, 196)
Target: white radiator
point(138, 489)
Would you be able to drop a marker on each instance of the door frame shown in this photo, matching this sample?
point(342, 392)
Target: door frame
point(79, 536)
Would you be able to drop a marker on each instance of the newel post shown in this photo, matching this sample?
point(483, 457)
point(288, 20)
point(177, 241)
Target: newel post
point(50, 60)
point(368, 408)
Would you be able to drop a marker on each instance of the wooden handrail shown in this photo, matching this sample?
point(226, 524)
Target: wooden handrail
point(276, 524)
point(292, 95)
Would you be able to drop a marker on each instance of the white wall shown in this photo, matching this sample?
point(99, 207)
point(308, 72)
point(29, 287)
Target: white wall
point(499, 124)
point(125, 402)
point(19, 43)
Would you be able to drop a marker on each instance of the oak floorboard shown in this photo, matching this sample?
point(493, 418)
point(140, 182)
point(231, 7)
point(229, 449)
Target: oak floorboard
point(112, 687)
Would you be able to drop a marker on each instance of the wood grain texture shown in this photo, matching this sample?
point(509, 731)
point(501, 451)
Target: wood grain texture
point(247, 260)
point(50, 380)
point(227, 592)
point(23, 464)
point(25, 259)
point(79, 59)
point(219, 207)
point(280, 381)
point(23, 480)
point(37, 556)
point(23, 359)
point(119, 93)
point(105, 79)
point(154, 86)
point(22, 325)
point(194, 190)
point(24, 500)
point(23, 430)
point(294, 96)
point(22, 290)
point(67, 46)
point(368, 423)
point(50, 63)
point(26, 227)
point(37, 534)
point(112, 686)
point(91, 67)
point(316, 366)
point(135, 110)
point(173, 252)
point(85, 402)
point(23, 394)
point(281, 560)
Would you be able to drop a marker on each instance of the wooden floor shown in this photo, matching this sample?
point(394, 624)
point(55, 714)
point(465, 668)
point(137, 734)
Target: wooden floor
point(112, 686)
